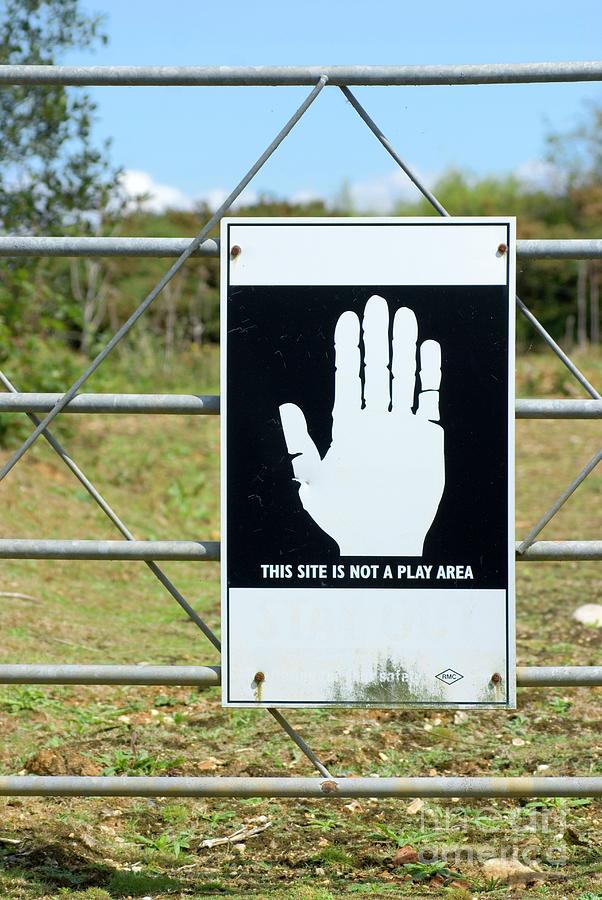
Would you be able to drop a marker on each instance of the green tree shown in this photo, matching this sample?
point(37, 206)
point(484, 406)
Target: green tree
point(53, 177)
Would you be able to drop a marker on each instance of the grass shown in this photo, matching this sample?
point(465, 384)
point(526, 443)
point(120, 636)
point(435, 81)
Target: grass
point(161, 474)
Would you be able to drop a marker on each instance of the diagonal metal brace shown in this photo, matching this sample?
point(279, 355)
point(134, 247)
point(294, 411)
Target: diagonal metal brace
point(190, 250)
point(393, 152)
point(158, 572)
point(572, 487)
point(41, 425)
point(575, 371)
point(117, 522)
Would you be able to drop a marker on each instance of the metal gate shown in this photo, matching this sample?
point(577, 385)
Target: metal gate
point(42, 409)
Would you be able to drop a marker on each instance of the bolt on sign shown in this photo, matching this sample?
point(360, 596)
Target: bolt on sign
point(367, 462)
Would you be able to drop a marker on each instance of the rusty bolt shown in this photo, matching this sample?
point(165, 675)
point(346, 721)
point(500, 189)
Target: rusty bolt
point(328, 787)
point(258, 677)
point(496, 678)
point(235, 251)
point(502, 249)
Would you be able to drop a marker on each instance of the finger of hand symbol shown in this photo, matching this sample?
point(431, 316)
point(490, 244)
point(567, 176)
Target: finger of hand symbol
point(405, 336)
point(298, 442)
point(430, 380)
point(347, 384)
point(376, 354)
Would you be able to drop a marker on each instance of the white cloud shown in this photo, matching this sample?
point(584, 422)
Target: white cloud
point(305, 195)
point(216, 196)
point(377, 194)
point(540, 175)
point(142, 190)
point(382, 193)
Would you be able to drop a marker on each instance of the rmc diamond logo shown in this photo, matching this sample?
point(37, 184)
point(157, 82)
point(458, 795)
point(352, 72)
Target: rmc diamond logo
point(448, 676)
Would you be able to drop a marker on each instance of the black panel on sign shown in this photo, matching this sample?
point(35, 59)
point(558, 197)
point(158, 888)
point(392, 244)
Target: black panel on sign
point(281, 350)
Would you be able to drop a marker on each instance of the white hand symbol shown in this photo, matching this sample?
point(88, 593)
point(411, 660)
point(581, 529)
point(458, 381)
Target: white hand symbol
point(377, 489)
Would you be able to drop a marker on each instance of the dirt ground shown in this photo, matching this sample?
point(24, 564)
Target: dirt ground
point(161, 474)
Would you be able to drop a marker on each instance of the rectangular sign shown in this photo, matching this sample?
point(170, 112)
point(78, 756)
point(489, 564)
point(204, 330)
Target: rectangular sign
point(367, 462)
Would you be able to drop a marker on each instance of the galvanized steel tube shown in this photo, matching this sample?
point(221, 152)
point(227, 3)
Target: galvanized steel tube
point(132, 404)
point(18, 548)
point(559, 676)
point(210, 676)
point(209, 404)
point(139, 550)
point(198, 676)
point(556, 409)
point(559, 249)
point(14, 245)
point(554, 551)
point(19, 245)
point(229, 76)
point(330, 788)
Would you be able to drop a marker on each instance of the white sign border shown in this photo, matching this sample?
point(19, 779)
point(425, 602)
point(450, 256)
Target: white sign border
point(509, 256)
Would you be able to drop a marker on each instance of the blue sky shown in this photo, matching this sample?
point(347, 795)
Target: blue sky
point(188, 143)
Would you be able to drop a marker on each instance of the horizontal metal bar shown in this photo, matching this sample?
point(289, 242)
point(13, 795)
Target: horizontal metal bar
point(209, 404)
point(560, 249)
point(210, 676)
point(15, 245)
point(107, 550)
point(19, 548)
point(102, 246)
point(559, 676)
point(555, 551)
point(227, 76)
point(331, 788)
point(198, 676)
point(554, 409)
point(148, 404)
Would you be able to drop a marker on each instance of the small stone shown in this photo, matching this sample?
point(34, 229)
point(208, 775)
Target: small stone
point(210, 764)
point(460, 717)
point(510, 871)
point(90, 842)
point(406, 854)
point(518, 742)
point(60, 762)
point(589, 614)
point(354, 807)
point(415, 806)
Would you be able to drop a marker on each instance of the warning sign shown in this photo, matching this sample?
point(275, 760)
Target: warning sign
point(367, 442)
